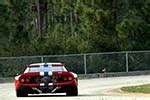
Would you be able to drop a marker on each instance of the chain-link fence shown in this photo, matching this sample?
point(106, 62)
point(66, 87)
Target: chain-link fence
point(82, 63)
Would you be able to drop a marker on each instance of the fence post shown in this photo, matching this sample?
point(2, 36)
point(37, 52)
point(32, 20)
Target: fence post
point(85, 71)
point(127, 62)
point(42, 59)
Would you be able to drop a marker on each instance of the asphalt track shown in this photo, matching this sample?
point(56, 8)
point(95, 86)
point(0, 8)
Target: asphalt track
point(89, 89)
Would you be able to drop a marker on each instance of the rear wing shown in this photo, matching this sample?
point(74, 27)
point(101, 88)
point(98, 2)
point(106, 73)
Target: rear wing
point(45, 68)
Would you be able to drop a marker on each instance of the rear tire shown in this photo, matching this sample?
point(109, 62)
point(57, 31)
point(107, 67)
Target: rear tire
point(21, 93)
point(72, 91)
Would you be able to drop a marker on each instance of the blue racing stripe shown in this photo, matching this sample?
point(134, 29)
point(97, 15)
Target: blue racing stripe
point(45, 73)
point(45, 65)
point(46, 84)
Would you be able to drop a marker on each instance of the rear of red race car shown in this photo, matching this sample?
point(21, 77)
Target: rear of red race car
point(46, 78)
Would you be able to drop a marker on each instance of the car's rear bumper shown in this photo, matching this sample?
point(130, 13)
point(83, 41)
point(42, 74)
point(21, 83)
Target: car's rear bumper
point(56, 84)
point(73, 82)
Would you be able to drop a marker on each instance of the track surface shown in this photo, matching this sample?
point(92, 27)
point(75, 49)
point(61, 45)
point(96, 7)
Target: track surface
point(89, 89)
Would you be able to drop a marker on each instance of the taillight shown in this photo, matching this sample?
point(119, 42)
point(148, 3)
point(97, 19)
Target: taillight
point(25, 80)
point(69, 78)
point(22, 80)
point(65, 78)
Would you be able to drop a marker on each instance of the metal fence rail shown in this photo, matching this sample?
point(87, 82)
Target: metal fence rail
point(82, 63)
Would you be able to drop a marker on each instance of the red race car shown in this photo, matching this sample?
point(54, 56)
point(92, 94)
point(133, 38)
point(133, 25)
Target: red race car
point(46, 78)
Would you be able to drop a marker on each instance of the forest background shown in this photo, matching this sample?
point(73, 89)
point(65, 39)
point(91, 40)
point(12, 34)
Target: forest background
point(49, 27)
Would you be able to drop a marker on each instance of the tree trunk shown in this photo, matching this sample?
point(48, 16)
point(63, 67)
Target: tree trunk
point(42, 19)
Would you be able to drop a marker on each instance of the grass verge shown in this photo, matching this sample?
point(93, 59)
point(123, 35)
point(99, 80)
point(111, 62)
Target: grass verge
point(137, 89)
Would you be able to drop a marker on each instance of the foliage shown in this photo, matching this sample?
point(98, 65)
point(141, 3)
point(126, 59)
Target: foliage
point(49, 27)
point(137, 89)
point(76, 26)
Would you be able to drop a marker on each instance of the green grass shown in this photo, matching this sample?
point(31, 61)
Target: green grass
point(137, 89)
